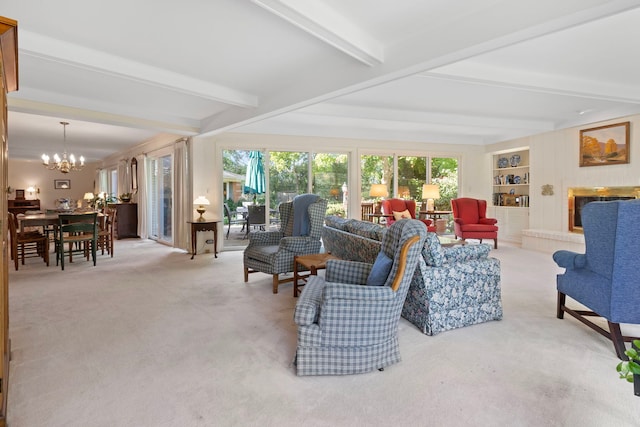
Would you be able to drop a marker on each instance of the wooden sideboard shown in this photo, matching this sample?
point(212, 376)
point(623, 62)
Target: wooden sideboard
point(20, 206)
point(126, 220)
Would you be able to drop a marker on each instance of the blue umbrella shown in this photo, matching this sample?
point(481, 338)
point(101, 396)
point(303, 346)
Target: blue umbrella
point(255, 181)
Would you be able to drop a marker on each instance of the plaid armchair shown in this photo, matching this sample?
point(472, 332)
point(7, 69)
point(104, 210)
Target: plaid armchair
point(347, 327)
point(272, 252)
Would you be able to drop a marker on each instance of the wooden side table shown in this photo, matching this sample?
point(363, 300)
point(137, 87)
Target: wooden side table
point(438, 220)
point(203, 226)
point(313, 262)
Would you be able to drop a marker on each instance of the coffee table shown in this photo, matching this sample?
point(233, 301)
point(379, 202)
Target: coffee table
point(312, 262)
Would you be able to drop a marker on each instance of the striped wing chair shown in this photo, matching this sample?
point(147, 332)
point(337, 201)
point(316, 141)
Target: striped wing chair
point(348, 327)
point(272, 252)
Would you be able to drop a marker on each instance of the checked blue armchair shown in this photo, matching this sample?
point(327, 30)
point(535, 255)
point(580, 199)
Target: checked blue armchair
point(346, 326)
point(604, 278)
point(273, 252)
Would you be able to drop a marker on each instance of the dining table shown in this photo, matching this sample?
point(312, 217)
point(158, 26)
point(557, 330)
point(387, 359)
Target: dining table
point(44, 220)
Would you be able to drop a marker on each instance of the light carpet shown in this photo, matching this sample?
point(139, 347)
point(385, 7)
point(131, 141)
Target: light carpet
point(152, 338)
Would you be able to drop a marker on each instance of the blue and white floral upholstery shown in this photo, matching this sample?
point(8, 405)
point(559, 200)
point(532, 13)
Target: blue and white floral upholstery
point(347, 327)
point(272, 252)
point(605, 277)
point(453, 287)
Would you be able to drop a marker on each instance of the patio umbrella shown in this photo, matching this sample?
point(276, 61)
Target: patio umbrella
point(255, 182)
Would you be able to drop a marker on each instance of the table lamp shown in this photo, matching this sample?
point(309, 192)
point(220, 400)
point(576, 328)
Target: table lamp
point(378, 191)
point(88, 197)
point(201, 202)
point(430, 192)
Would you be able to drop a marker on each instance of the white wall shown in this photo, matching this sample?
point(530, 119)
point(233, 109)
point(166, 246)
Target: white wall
point(23, 173)
point(554, 160)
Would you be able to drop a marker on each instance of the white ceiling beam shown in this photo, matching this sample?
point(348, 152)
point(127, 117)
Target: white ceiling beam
point(555, 84)
point(422, 117)
point(54, 110)
point(39, 46)
point(326, 24)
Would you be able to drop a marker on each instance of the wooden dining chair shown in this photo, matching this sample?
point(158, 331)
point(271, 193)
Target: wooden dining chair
point(106, 230)
point(80, 231)
point(26, 245)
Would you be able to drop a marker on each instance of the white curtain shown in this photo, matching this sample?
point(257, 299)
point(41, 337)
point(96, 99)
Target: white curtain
point(183, 206)
point(141, 197)
point(102, 181)
point(124, 183)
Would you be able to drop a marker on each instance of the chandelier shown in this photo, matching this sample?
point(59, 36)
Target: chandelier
point(64, 164)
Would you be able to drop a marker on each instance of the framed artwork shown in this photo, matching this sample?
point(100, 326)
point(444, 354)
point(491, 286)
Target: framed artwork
point(19, 194)
point(605, 145)
point(62, 184)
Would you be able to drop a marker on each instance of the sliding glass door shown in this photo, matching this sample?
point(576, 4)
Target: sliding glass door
point(160, 181)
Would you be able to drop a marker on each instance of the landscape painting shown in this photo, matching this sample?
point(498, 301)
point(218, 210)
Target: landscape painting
point(605, 145)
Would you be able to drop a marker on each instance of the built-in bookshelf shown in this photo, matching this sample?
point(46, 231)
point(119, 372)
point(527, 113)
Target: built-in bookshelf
point(511, 179)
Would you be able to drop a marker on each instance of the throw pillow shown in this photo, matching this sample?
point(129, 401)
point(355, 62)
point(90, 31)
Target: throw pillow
point(401, 215)
point(380, 270)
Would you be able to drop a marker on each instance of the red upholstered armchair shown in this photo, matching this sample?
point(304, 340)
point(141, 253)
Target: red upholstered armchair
point(389, 206)
point(470, 221)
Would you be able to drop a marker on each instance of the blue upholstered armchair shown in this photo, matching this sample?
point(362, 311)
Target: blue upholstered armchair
point(348, 321)
point(272, 252)
point(604, 278)
point(453, 287)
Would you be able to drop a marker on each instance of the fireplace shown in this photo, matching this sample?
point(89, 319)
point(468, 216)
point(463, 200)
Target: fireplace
point(580, 196)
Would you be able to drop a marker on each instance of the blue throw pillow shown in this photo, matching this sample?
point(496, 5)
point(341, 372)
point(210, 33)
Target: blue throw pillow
point(380, 270)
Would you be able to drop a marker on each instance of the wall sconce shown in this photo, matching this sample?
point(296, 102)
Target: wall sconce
point(429, 193)
point(33, 189)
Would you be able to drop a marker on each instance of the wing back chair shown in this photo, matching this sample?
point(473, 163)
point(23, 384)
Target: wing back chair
point(604, 278)
point(272, 252)
point(395, 207)
point(470, 220)
point(348, 320)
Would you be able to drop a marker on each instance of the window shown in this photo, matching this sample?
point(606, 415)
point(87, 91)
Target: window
point(330, 177)
point(375, 170)
point(410, 172)
point(113, 182)
point(288, 176)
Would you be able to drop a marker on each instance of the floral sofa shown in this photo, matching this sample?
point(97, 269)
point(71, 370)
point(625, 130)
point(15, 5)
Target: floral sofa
point(451, 288)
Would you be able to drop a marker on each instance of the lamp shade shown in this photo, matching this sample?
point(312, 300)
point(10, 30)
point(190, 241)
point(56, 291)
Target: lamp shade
point(201, 201)
point(88, 196)
point(378, 190)
point(430, 191)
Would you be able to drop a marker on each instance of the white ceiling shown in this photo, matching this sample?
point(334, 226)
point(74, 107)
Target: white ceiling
point(427, 71)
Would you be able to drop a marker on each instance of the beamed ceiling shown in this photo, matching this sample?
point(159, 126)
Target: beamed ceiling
point(457, 72)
